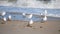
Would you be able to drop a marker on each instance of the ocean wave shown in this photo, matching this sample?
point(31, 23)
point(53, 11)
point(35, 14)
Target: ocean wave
point(51, 12)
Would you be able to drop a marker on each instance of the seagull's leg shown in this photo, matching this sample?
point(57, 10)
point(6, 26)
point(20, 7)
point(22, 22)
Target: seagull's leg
point(29, 25)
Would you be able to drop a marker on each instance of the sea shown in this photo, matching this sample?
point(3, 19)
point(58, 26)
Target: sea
point(54, 13)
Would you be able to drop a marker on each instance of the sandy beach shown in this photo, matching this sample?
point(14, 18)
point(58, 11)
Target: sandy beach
point(20, 27)
point(22, 11)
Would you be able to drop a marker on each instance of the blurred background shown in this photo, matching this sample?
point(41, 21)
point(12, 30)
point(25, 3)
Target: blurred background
point(31, 7)
point(31, 3)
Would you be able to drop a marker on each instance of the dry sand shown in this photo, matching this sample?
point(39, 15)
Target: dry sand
point(20, 27)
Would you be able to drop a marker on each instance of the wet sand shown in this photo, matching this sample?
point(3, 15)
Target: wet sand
point(20, 27)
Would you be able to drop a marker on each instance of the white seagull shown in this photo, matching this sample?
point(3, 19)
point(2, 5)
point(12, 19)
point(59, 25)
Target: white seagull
point(45, 16)
point(31, 22)
point(4, 20)
point(44, 19)
point(29, 16)
point(3, 13)
point(23, 14)
point(9, 17)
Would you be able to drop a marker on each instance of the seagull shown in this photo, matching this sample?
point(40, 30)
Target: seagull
point(4, 20)
point(24, 15)
point(29, 16)
point(44, 19)
point(3, 13)
point(9, 17)
point(30, 21)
